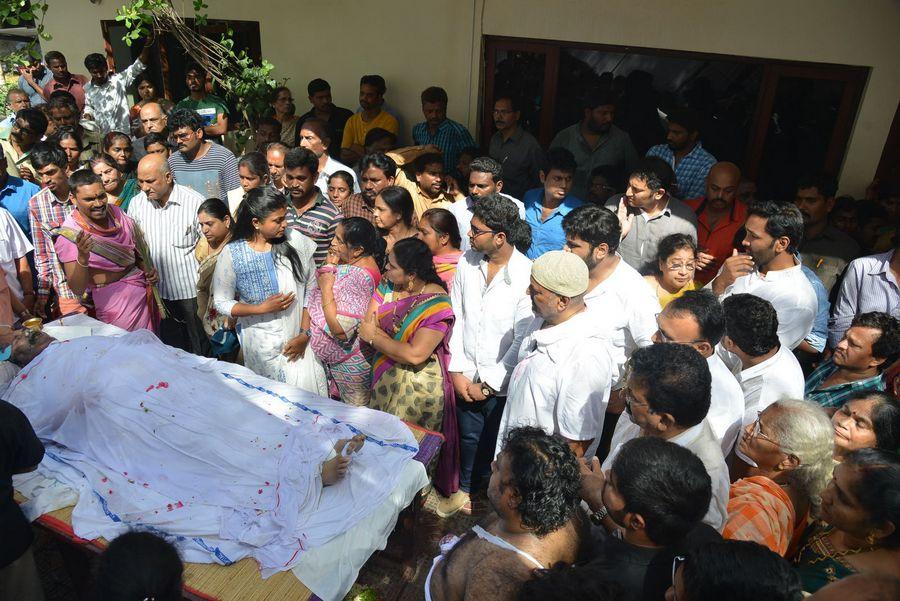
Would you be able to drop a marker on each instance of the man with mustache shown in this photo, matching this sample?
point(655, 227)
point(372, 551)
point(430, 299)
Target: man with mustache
point(209, 169)
point(720, 217)
point(28, 128)
point(515, 149)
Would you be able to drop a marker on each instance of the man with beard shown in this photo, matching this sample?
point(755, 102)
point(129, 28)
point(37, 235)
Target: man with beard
point(27, 130)
point(514, 148)
point(596, 141)
point(153, 121)
point(309, 212)
point(533, 492)
point(485, 179)
point(719, 219)
point(448, 135)
point(166, 213)
point(212, 109)
point(371, 99)
point(209, 169)
point(377, 172)
point(545, 207)
point(106, 96)
point(275, 153)
point(64, 111)
point(428, 188)
point(648, 213)
point(770, 270)
point(684, 152)
point(825, 249)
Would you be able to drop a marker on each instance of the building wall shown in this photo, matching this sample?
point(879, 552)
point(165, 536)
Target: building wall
point(419, 43)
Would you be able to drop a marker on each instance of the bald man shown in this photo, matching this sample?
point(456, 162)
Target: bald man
point(153, 120)
point(720, 219)
point(166, 213)
point(275, 153)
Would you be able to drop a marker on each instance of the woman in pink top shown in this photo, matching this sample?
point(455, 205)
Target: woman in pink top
point(439, 230)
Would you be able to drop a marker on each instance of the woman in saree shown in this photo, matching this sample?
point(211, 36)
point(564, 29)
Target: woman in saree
point(261, 280)
point(438, 229)
point(120, 190)
point(783, 461)
point(101, 250)
point(215, 225)
point(337, 303)
point(406, 334)
point(867, 420)
point(394, 215)
point(70, 143)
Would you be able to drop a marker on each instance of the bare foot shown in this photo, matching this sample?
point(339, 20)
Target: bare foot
point(336, 468)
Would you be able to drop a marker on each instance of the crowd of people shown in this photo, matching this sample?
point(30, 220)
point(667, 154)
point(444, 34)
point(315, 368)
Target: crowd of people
point(667, 387)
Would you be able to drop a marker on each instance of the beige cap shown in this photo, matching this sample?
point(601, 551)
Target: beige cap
point(561, 272)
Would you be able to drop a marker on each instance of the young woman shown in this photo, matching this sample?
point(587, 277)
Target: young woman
point(406, 334)
point(440, 232)
point(340, 187)
point(268, 268)
point(869, 420)
point(253, 172)
point(118, 146)
point(282, 103)
point(114, 182)
point(394, 213)
point(676, 262)
point(147, 91)
point(70, 142)
point(337, 303)
point(216, 225)
point(155, 143)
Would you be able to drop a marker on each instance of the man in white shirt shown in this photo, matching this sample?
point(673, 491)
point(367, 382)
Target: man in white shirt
point(668, 396)
point(485, 178)
point(769, 371)
point(562, 380)
point(770, 270)
point(166, 212)
point(313, 135)
point(696, 319)
point(492, 312)
point(106, 96)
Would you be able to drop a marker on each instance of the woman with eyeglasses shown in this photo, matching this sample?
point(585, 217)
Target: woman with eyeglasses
point(783, 461)
point(869, 420)
point(676, 262)
point(859, 531)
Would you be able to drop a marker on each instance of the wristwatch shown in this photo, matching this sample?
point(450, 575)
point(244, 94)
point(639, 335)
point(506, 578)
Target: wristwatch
point(487, 391)
point(598, 516)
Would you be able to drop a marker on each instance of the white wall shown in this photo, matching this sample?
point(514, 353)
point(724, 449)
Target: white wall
point(414, 44)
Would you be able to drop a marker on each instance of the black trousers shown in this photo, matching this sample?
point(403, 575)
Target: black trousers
point(183, 328)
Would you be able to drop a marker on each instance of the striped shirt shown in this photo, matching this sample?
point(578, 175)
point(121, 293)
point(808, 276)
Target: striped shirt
point(451, 137)
point(47, 212)
point(171, 232)
point(868, 285)
point(317, 222)
point(690, 172)
point(211, 176)
point(835, 396)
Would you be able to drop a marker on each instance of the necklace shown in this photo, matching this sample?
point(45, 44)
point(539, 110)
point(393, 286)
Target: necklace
point(823, 549)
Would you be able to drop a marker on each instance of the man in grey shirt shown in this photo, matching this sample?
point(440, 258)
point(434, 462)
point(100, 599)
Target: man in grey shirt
point(596, 142)
point(515, 149)
point(648, 214)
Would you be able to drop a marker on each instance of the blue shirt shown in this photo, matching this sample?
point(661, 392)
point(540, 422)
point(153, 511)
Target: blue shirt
point(14, 197)
point(818, 336)
point(451, 137)
point(690, 172)
point(546, 235)
point(35, 98)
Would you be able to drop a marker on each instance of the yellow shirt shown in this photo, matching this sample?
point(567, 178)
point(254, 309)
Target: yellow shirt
point(665, 297)
point(356, 129)
point(421, 202)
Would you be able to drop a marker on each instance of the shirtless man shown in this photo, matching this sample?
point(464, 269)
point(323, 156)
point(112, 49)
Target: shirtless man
point(533, 490)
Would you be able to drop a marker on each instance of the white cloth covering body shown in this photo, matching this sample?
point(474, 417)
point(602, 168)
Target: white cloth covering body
point(224, 460)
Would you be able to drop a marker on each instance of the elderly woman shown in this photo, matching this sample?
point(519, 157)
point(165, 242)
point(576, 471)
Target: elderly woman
point(868, 420)
point(676, 262)
point(120, 189)
point(860, 527)
point(786, 459)
point(406, 334)
point(283, 110)
point(439, 230)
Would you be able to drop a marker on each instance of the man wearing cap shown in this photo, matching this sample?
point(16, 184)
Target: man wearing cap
point(562, 380)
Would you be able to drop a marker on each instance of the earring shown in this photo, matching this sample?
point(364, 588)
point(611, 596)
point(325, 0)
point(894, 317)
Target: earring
point(870, 539)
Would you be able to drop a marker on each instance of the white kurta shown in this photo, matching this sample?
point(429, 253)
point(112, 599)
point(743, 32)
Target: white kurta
point(207, 451)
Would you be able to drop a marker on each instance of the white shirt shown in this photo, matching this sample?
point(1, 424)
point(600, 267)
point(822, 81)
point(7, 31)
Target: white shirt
point(562, 380)
point(108, 104)
point(726, 404)
point(790, 293)
point(701, 441)
point(626, 307)
point(491, 319)
point(464, 209)
point(778, 377)
point(332, 166)
point(171, 232)
point(13, 246)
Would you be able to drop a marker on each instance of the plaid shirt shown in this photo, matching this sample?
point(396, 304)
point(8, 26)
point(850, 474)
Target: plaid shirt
point(690, 172)
point(835, 396)
point(356, 206)
point(451, 137)
point(47, 212)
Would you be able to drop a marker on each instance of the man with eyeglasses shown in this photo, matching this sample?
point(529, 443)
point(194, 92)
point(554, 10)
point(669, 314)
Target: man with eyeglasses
point(153, 120)
point(209, 169)
point(514, 148)
point(648, 213)
point(667, 396)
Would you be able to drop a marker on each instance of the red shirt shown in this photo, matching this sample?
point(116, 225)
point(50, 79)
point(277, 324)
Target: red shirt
point(75, 87)
point(718, 241)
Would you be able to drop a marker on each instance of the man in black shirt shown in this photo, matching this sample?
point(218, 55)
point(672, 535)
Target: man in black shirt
point(323, 108)
point(20, 452)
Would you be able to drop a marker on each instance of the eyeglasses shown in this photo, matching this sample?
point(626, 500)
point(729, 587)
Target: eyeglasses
point(630, 400)
point(757, 433)
point(677, 561)
point(475, 232)
point(680, 266)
